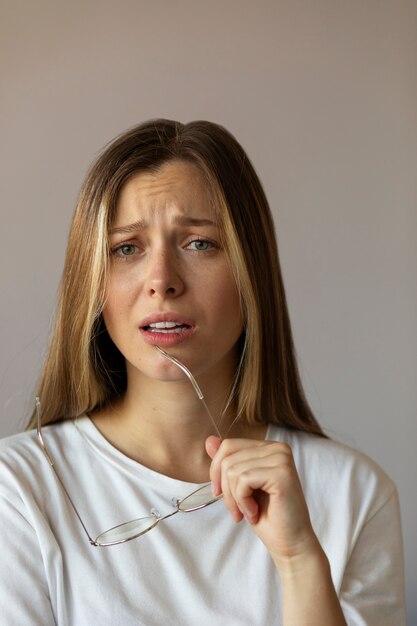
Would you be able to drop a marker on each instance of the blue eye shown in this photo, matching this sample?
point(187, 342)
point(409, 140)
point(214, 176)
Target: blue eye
point(201, 245)
point(126, 249)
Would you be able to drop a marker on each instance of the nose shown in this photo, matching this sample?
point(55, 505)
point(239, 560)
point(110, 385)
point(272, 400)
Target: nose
point(164, 278)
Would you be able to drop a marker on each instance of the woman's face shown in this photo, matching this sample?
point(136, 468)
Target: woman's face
point(170, 283)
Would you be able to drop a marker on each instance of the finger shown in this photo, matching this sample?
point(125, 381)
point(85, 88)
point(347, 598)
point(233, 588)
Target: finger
point(233, 468)
point(227, 448)
point(230, 467)
point(240, 481)
point(229, 500)
point(251, 491)
point(212, 445)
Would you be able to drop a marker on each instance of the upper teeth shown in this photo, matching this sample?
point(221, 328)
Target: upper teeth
point(164, 324)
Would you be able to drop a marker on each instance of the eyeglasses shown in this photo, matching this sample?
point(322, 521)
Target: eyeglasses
point(127, 531)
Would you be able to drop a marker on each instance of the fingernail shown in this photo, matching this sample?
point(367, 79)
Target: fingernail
point(249, 518)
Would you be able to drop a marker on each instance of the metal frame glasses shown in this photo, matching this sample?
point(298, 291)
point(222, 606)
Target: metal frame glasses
point(127, 531)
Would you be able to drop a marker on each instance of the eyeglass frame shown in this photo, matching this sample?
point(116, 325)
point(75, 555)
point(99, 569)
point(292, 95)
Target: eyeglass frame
point(158, 518)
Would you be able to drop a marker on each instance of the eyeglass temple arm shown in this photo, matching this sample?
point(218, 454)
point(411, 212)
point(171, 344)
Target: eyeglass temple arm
point(194, 384)
point(52, 464)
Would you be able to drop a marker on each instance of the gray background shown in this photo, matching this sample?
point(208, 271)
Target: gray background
point(323, 95)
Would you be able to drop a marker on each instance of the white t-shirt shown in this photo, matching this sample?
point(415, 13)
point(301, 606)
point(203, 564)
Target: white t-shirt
point(193, 568)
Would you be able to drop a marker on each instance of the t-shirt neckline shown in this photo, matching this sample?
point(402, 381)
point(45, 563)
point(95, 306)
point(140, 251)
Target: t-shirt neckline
point(96, 440)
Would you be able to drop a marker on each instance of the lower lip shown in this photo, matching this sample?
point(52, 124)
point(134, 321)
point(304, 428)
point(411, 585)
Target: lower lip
point(165, 340)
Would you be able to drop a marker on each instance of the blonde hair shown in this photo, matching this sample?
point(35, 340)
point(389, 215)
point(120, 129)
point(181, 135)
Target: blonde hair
point(84, 370)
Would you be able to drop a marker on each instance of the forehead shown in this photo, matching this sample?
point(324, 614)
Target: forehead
point(175, 188)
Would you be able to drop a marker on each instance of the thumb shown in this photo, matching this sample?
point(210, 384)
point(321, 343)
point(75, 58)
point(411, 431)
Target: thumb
point(212, 445)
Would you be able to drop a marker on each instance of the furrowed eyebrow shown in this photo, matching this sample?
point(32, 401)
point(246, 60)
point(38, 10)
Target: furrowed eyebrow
point(179, 220)
point(130, 228)
point(187, 220)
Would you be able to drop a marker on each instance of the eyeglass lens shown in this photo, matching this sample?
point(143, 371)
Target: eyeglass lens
point(198, 499)
point(130, 530)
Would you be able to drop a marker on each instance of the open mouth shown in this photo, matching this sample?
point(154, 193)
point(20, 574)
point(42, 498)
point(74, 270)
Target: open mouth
point(166, 328)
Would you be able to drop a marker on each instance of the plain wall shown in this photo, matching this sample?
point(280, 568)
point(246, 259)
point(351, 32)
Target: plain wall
point(323, 96)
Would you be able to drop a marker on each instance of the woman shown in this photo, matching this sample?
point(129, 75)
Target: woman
point(172, 271)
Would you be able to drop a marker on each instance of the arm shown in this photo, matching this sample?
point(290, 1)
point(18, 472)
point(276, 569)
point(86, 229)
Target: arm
point(309, 596)
point(260, 483)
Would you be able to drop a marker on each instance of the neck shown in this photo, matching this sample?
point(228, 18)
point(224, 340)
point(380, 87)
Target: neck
point(156, 422)
point(163, 424)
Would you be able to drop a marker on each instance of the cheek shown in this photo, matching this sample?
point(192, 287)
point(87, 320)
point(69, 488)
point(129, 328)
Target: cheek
point(227, 305)
point(118, 301)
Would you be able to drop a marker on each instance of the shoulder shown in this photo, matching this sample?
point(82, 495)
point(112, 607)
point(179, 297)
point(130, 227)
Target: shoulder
point(22, 460)
point(17, 447)
point(26, 477)
point(332, 471)
point(20, 443)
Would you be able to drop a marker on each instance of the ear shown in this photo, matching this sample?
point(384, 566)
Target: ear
point(212, 445)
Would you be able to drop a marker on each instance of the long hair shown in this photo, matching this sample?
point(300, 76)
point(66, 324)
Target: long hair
point(84, 370)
